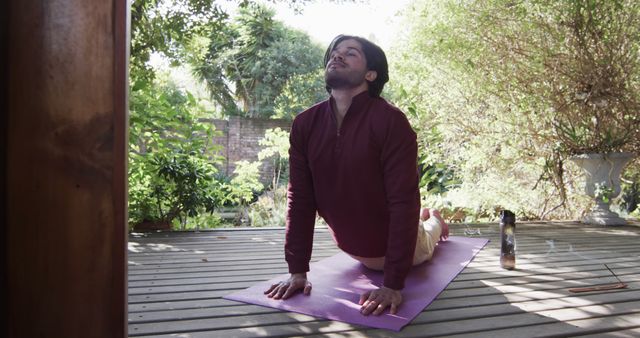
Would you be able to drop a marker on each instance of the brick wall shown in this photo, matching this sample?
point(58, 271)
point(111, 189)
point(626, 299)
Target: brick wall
point(239, 138)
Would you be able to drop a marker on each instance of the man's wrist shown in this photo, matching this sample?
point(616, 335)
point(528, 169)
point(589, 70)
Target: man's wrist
point(386, 287)
point(299, 275)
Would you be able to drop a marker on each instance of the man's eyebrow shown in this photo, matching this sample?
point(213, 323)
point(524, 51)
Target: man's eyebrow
point(349, 48)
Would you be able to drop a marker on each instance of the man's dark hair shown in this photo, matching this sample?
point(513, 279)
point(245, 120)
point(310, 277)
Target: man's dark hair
point(376, 60)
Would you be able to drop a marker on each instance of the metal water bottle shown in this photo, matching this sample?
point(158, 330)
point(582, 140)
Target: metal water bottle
point(508, 240)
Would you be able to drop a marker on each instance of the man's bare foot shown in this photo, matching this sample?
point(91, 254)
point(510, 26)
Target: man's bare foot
point(426, 213)
point(445, 227)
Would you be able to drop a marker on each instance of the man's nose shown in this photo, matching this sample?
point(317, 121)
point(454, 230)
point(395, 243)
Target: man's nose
point(338, 56)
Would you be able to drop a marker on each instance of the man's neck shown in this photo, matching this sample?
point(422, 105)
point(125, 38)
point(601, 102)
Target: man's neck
point(343, 98)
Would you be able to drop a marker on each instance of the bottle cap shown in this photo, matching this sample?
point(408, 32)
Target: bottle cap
point(507, 216)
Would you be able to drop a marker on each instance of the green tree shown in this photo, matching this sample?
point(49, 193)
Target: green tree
point(486, 74)
point(577, 63)
point(300, 92)
point(167, 27)
point(251, 59)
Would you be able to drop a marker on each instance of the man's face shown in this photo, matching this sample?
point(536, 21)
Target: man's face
point(347, 66)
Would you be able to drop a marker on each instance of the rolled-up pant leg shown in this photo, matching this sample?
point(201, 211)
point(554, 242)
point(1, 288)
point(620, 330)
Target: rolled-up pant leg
point(428, 237)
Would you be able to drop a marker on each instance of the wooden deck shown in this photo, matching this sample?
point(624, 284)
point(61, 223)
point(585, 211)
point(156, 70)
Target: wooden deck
point(176, 281)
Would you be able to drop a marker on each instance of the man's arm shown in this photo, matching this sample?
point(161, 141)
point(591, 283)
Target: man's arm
point(301, 213)
point(301, 203)
point(399, 160)
point(401, 181)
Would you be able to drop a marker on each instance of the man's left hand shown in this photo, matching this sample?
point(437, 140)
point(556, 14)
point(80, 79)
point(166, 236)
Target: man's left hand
point(376, 301)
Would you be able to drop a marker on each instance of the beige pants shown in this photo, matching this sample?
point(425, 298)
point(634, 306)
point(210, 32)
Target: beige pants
point(428, 237)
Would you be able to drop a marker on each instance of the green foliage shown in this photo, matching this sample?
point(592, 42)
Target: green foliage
point(174, 28)
point(172, 175)
point(170, 169)
point(576, 62)
point(603, 192)
point(262, 208)
point(436, 176)
point(167, 27)
point(276, 146)
point(275, 143)
point(161, 114)
point(630, 197)
point(300, 92)
point(191, 186)
point(461, 68)
point(144, 188)
point(245, 184)
point(257, 55)
point(270, 209)
point(164, 187)
point(205, 221)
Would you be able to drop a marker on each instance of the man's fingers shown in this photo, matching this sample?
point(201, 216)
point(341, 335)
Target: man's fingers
point(368, 302)
point(282, 289)
point(380, 308)
point(273, 286)
point(394, 309)
point(289, 287)
point(372, 306)
point(364, 297)
point(273, 291)
point(368, 307)
point(290, 291)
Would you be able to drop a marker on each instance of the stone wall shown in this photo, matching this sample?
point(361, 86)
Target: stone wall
point(239, 138)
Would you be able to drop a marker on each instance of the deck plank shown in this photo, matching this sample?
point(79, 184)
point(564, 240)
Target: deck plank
point(177, 280)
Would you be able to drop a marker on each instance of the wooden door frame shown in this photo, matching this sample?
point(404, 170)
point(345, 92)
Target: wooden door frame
point(113, 313)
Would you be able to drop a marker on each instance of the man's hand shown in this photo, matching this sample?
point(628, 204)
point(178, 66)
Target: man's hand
point(377, 301)
point(287, 288)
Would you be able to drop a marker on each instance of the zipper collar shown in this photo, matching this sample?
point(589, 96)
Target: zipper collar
point(357, 103)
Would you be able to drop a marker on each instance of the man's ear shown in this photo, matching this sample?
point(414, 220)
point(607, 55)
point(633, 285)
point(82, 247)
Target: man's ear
point(371, 75)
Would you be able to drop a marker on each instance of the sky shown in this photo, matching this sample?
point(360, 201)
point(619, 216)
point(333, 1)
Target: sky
point(376, 20)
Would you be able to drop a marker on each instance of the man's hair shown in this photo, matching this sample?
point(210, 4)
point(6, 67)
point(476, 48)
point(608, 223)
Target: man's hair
point(376, 60)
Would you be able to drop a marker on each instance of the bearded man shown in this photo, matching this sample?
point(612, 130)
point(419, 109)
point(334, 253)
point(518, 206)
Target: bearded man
point(353, 161)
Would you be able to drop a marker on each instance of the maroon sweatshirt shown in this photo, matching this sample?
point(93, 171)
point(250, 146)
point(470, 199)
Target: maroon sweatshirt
point(362, 179)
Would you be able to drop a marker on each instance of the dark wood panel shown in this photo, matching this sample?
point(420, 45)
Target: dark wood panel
point(65, 173)
point(4, 196)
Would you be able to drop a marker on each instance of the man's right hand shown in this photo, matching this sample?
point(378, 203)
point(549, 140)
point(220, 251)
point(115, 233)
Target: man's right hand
point(287, 288)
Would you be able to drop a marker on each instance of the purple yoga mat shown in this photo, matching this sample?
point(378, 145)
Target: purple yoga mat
point(338, 282)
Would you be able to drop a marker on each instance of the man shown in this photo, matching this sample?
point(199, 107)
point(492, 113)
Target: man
point(353, 160)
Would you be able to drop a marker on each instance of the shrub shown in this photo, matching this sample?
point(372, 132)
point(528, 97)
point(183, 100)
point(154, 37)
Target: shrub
point(171, 171)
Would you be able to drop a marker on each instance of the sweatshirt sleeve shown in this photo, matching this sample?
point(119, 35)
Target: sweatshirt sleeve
point(399, 164)
point(301, 204)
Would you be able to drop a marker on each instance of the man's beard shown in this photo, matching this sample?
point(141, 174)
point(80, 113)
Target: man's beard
point(336, 80)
